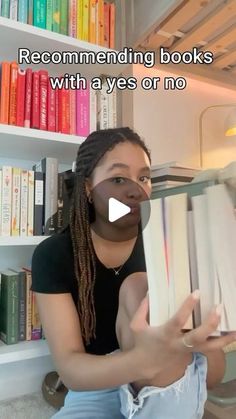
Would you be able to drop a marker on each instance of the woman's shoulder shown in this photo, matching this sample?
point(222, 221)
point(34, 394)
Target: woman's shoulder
point(58, 242)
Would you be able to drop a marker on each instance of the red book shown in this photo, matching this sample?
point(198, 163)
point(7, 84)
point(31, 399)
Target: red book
point(106, 25)
point(13, 90)
point(51, 108)
point(64, 111)
point(43, 92)
point(28, 97)
point(35, 101)
point(5, 92)
point(83, 112)
point(20, 98)
point(72, 112)
point(57, 109)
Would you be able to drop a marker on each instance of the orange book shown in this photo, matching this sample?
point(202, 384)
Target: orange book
point(92, 21)
point(79, 20)
point(112, 25)
point(106, 24)
point(5, 92)
point(100, 22)
point(13, 91)
point(85, 24)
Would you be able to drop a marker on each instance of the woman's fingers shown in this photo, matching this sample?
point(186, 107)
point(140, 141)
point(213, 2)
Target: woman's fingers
point(177, 322)
point(139, 320)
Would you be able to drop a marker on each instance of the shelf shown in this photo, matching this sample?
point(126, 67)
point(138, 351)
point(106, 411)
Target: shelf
point(33, 144)
point(21, 241)
point(23, 351)
point(21, 35)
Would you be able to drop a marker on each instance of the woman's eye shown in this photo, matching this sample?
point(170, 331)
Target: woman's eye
point(145, 179)
point(118, 180)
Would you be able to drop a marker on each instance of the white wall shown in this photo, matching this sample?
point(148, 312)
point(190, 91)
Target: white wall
point(168, 120)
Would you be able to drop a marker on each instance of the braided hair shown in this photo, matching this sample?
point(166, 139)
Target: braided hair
point(82, 214)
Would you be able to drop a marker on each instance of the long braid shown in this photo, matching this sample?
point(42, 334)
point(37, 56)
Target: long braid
point(89, 154)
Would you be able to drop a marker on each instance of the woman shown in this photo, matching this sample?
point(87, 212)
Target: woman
point(77, 276)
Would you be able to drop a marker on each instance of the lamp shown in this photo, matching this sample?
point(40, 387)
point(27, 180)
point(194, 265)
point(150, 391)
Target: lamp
point(230, 124)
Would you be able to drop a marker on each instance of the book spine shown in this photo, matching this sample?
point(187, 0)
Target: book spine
point(13, 9)
point(5, 92)
point(39, 15)
point(65, 111)
point(36, 323)
point(103, 108)
point(112, 26)
point(23, 11)
point(106, 24)
point(24, 203)
point(43, 88)
point(15, 218)
point(20, 98)
point(0, 210)
point(50, 168)
point(72, 112)
point(60, 200)
point(28, 97)
point(83, 112)
point(6, 200)
point(72, 18)
point(49, 15)
point(30, 212)
point(51, 108)
point(92, 22)
point(35, 101)
point(93, 110)
point(100, 22)
point(22, 306)
point(30, 11)
point(79, 22)
point(64, 17)
point(85, 24)
point(38, 203)
point(13, 94)
point(9, 309)
point(5, 8)
point(56, 16)
point(28, 305)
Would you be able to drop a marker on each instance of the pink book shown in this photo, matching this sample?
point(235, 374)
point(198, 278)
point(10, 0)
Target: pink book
point(51, 108)
point(82, 112)
point(20, 98)
point(57, 109)
point(28, 96)
point(72, 112)
point(35, 101)
point(43, 92)
point(72, 17)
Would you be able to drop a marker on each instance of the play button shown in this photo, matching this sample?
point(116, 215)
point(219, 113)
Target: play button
point(117, 210)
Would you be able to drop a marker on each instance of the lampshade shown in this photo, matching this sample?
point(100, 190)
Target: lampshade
point(230, 124)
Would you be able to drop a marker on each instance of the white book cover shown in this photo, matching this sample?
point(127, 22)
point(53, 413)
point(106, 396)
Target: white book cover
point(93, 109)
point(6, 200)
point(178, 254)
point(13, 9)
point(112, 109)
point(16, 190)
point(205, 263)
point(24, 203)
point(30, 212)
point(222, 224)
point(156, 264)
point(103, 107)
point(0, 198)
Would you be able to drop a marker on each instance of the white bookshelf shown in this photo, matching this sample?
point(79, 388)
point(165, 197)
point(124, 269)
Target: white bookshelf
point(21, 240)
point(33, 144)
point(23, 351)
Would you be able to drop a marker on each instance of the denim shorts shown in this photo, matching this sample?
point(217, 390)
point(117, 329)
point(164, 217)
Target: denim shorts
point(184, 399)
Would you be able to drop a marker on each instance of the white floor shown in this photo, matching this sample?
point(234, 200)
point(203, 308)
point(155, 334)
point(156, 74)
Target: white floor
point(27, 407)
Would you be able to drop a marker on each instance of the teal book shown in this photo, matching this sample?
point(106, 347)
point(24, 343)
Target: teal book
point(56, 16)
point(5, 10)
point(9, 307)
point(30, 11)
point(49, 15)
point(23, 11)
point(64, 17)
point(39, 13)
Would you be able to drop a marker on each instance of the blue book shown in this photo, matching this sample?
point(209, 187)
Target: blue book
point(5, 8)
point(23, 11)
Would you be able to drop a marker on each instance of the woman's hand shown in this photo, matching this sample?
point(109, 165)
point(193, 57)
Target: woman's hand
point(160, 346)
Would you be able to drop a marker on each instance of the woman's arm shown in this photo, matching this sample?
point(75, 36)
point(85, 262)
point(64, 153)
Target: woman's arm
point(215, 368)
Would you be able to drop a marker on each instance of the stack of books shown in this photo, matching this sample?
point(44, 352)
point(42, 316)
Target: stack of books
point(171, 174)
point(88, 20)
point(189, 244)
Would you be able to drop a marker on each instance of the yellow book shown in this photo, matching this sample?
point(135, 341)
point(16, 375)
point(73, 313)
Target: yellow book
point(79, 20)
point(85, 26)
point(16, 185)
point(92, 21)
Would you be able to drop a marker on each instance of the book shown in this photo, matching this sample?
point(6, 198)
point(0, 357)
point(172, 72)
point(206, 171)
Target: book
point(30, 209)
point(6, 200)
point(23, 11)
point(65, 185)
point(24, 203)
point(13, 93)
point(16, 197)
point(72, 18)
point(38, 203)
point(9, 302)
point(21, 303)
point(64, 17)
point(13, 9)
point(39, 15)
point(28, 97)
point(5, 90)
point(43, 98)
point(20, 97)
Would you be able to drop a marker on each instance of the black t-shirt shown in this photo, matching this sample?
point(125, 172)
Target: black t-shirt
point(53, 273)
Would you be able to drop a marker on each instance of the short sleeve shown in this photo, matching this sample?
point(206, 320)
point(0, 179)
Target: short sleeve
point(49, 267)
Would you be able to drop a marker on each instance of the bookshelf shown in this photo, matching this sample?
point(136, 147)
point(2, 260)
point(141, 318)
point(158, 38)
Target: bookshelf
point(21, 241)
point(23, 351)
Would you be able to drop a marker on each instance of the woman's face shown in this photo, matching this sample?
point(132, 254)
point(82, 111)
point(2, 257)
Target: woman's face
point(124, 174)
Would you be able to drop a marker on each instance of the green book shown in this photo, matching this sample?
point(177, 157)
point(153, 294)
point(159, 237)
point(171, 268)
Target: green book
point(5, 10)
point(9, 307)
point(39, 13)
point(49, 15)
point(22, 302)
point(64, 17)
point(56, 16)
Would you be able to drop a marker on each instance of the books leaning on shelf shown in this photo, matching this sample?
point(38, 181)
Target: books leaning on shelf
point(171, 174)
point(88, 20)
point(19, 317)
point(190, 244)
point(27, 99)
point(34, 202)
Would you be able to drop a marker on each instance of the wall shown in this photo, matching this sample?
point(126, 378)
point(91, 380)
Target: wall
point(169, 120)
